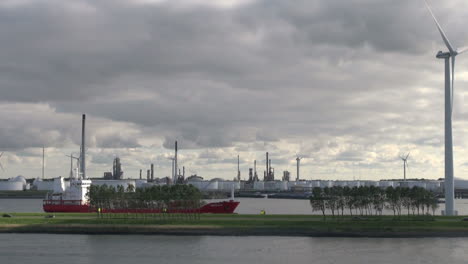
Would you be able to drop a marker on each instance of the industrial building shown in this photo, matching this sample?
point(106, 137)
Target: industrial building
point(17, 183)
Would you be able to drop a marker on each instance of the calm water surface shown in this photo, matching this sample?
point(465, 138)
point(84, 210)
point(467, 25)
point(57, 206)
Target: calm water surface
point(103, 249)
point(246, 206)
point(115, 249)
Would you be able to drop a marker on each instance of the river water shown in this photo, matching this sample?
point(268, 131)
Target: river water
point(104, 249)
point(116, 249)
point(246, 206)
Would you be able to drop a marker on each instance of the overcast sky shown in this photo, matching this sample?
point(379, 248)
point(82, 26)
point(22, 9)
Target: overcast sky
point(348, 85)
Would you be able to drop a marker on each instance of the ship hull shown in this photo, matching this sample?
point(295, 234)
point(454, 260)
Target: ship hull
point(225, 207)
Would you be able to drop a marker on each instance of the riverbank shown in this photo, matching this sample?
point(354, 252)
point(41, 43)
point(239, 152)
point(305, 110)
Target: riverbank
point(236, 225)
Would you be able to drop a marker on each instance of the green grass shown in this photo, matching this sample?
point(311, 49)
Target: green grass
point(265, 223)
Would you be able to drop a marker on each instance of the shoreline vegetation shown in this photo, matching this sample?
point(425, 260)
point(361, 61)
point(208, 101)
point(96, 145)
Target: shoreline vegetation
point(371, 201)
point(344, 212)
point(236, 225)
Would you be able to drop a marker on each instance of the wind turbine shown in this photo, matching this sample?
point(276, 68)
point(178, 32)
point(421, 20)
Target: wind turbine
point(449, 57)
point(405, 164)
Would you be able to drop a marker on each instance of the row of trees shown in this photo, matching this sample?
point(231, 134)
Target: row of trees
point(163, 198)
point(372, 200)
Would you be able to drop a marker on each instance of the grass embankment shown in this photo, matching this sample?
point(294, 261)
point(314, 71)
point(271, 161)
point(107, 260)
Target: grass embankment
point(290, 225)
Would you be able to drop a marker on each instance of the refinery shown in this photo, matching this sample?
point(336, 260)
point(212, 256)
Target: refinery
point(254, 186)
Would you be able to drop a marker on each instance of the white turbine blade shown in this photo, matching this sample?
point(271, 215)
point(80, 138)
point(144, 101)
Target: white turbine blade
point(453, 78)
point(444, 37)
point(461, 50)
point(407, 156)
point(1, 166)
point(1, 154)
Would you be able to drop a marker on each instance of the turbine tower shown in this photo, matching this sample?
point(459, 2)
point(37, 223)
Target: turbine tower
point(405, 164)
point(449, 58)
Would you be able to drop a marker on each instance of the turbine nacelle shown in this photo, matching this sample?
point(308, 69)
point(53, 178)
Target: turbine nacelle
point(444, 55)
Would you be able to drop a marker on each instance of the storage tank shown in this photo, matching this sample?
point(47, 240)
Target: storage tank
point(47, 185)
point(324, 184)
point(270, 186)
point(460, 183)
point(352, 184)
point(140, 183)
point(211, 185)
point(402, 184)
point(339, 183)
point(434, 186)
point(291, 184)
point(385, 184)
point(197, 184)
point(259, 185)
point(18, 178)
point(11, 186)
point(314, 183)
point(371, 183)
point(282, 185)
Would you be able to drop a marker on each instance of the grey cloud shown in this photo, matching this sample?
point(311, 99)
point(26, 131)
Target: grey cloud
point(334, 74)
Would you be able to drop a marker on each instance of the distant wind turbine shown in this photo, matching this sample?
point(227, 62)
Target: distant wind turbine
point(405, 164)
point(449, 57)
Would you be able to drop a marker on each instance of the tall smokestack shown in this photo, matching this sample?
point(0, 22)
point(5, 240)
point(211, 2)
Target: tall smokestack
point(175, 164)
point(183, 172)
point(152, 171)
point(298, 161)
point(148, 175)
point(83, 149)
point(140, 173)
point(267, 170)
point(173, 173)
point(255, 168)
point(270, 172)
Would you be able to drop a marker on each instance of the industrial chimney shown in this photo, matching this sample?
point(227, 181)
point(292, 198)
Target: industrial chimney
point(298, 162)
point(238, 169)
point(174, 180)
point(83, 149)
